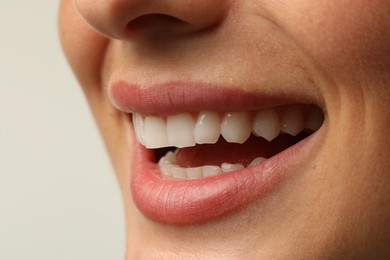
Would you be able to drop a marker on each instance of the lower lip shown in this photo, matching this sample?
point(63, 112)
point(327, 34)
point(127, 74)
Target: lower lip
point(184, 202)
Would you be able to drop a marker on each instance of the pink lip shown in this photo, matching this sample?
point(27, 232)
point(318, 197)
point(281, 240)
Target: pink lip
point(172, 97)
point(195, 201)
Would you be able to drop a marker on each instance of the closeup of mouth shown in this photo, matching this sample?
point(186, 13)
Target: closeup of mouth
point(197, 166)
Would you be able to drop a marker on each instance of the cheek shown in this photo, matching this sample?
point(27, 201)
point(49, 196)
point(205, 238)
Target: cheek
point(348, 36)
point(83, 47)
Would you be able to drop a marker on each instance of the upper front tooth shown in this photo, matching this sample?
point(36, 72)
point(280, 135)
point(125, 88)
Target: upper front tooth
point(139, 123)
point(155, 132)
point(180, 129)
point(266, 124)
point(208, 128)
point(292, 120)
point(236, 127)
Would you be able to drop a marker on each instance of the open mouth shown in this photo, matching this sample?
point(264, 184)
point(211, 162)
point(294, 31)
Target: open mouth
point(190, 146)
point(203, 152)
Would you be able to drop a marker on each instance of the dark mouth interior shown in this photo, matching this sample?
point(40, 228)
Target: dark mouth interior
point(222, 151)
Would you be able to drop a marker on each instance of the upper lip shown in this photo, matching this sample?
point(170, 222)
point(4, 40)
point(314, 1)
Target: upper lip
point(180, 96)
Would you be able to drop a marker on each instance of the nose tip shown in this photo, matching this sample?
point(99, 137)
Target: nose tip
point(122, 18)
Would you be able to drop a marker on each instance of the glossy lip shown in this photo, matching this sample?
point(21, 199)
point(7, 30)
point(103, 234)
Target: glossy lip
point(185, 202)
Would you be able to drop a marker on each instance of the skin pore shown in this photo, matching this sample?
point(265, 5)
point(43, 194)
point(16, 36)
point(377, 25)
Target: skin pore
point(331, 53)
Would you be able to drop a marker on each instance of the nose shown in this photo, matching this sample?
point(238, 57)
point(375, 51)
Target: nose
point(121, 19)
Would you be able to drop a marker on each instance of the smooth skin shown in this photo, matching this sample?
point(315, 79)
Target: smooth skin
point(332, 53)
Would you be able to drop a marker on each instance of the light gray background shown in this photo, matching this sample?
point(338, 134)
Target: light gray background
point(58, 195)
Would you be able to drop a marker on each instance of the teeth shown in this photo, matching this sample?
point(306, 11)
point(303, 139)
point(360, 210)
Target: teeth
point(155, 135)
point(139, 130)
point(178, 172)
point(236, 127)
point(314, 119)
point(266, 124)
point(208, 129)
point(181, 130)
point(256, 161)
point(210, 170)
point(227, 167)
point(170, 169)
point(292, 121)
point(194, 173)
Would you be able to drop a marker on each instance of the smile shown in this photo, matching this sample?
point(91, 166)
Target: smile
point(204, 163)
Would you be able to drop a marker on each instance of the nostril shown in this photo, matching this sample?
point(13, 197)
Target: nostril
point(161, 25)
point(158, 23)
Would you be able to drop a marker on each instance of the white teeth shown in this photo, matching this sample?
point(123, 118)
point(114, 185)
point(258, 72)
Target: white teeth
point(236, 127)
point(194, 173)
point(155, 132)
point(210, 170)
point(138, 121)
point(227, 167)
point(208, 129)
point(169, 168)
point(314, 119)
point(178, 172)
point(266, 124)
point(292, 121)
point(165, 169)
point(256, 161)
point(180, 129)
point(171, 157)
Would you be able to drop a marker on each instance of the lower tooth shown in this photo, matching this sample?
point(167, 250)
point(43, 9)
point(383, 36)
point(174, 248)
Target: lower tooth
point(194, 173)
point(256, 161)
point(210, 170)
point(169, 168)
point(171, 157)
point(165, 169)
point(178, 172)
point(227, 167)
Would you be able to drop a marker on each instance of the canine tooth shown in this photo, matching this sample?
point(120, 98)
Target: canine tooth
point(155, 132)
point(292, 120)
point(164, 161)
point(171, 156)
point(208, 128)
point(139, 124)
point(178, 172)
point(194, 173)
point(236, 127)
point(180, 130)
point(266, 124)
point(227, 167)
point(256, 161)
point(209, 170)
point(314, 119)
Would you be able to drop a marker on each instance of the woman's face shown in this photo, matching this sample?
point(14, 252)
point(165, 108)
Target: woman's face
point(191, 70)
